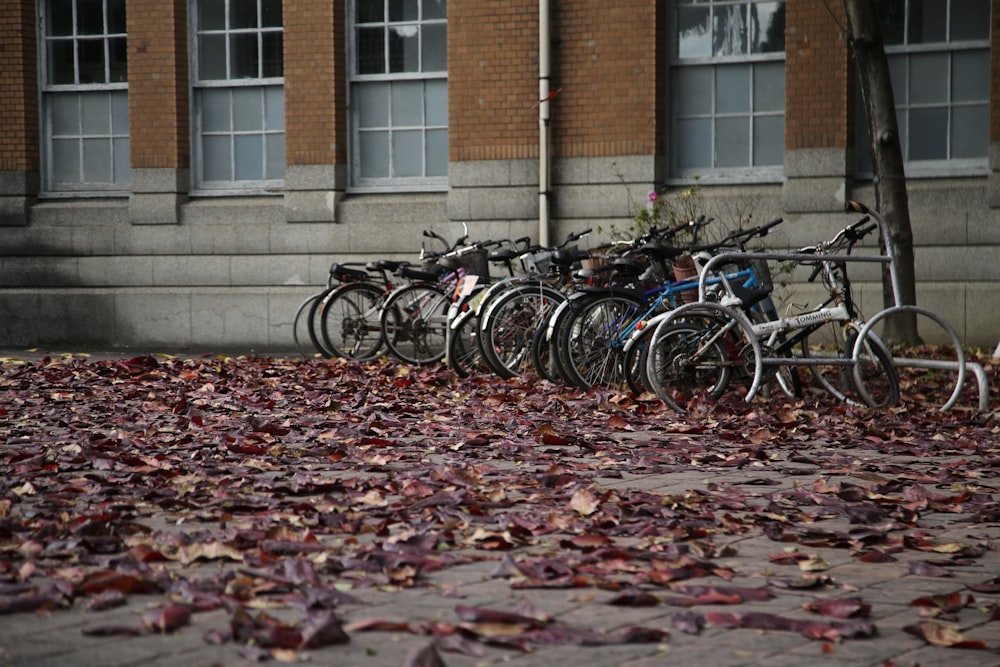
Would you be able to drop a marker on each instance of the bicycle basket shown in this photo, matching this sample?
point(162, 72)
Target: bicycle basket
point(474, 262)
point(537, 262)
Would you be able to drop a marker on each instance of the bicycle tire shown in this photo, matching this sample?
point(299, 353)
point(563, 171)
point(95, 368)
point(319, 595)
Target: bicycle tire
point(590, 345)
point(304, 318)
point(349, 321)
point(879, 380)
point(465, 356)
point(509, 323)
point(414, 323)
point(635, 362)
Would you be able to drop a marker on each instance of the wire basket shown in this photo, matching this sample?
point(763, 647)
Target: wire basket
point(537, 262)
point(473, 260)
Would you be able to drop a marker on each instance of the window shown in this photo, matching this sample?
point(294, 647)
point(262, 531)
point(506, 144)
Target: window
point(239, 95)
point(399, 94)
point(939, 61)
point(727, 90)
point(85, 129)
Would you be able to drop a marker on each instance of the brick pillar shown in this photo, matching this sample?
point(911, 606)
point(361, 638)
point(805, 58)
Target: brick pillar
point(315, 109)
point(158, 110)
point(818, 103)
point(19, 157)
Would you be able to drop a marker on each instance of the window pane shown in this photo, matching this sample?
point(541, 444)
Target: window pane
point(242, 14)
point(119, 112)
point(928, 21)
point(245, 59)
point(970, 19)
point(121, 158)
point(928, 134)
point(897, 74)
point(271, 14)
point(403, 10)
point(118, 60)
point(768, 23)
point(373, 105)
point(370, 11)
point(249, 157)
point(91, 55)
point(435, 9)
point(929, 78)
point(248, 110)
point(769, 140)
point(407, 154)
point(212, 57)
point(436, 103)
point(275, 156)
point(62, 63)
point(211, 14)
point(90, 17)
point(272, 64)
point(371, 51)
point(694, 138)
point(215, 111)
point(891, 16)
point(65, 114)
point(970, 132)
point(116, 17)
point(437, 152)
point(729, 32)
point(96, 109)
point(732, 89)
point(96, 161)
point(407, 104)
point(769, 87)
point(970, 76)
point(274, 108)
point(66, 160)
point(216, 158)
point(374, 155)
point(732, 142)
point(404, 53)
point(694, 32)
point(434, 41)
point(693, 90)
point(60, 18)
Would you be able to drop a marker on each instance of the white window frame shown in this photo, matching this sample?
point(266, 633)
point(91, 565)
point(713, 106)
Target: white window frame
point(115, 134)
point(357, 183)
point(234, 86)
point(715, 174)
point(904, 52)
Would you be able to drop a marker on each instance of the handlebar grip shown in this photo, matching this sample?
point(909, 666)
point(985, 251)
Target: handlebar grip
point(774, 223)
point(855, 206)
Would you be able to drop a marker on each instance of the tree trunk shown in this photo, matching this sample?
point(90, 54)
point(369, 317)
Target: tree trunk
point(891, 201)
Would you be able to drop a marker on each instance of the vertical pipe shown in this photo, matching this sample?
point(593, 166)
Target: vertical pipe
point(544, 169)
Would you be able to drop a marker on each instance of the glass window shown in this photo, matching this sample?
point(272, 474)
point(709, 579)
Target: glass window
point(84, 96)
point(727, 89)
point(938, 54)
point(239, 100)
point(399, 94)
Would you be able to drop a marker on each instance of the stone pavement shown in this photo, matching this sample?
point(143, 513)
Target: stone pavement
point(57, 638)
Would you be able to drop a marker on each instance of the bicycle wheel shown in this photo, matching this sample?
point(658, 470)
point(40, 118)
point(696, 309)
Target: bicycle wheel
point(414, 321)
point(509, 324)
point(303, 325)
point(635, 362)
point(691, 356)
point(592, 340)
point(465, 356)
point(874, 379)
point(827, 342)
point(349, 321)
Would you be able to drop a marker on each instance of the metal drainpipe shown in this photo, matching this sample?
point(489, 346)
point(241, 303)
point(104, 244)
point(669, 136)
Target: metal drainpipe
point(544, 168)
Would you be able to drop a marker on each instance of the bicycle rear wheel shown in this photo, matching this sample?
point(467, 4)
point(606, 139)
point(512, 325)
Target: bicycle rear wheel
point(509, 324)
point(592, 340)
point(304, 331)
point(414, 321)
point(349, 321)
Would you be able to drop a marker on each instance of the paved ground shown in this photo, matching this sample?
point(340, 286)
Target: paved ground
point(58, 638)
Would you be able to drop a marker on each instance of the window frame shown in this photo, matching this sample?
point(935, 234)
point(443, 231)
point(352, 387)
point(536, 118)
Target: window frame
point(48, 92)
point(719, 175)
point(948, 167)
point(357, 183)
point(237, 187)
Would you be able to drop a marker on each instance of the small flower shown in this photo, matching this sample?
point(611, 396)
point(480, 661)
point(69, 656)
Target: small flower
point(652, 197)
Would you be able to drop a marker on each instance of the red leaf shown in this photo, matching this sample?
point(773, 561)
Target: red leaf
point(167, 619)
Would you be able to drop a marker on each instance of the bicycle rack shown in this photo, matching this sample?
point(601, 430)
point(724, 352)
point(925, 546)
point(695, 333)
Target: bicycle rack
point(960, 364)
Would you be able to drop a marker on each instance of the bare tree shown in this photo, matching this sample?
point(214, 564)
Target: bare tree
point(865, 39)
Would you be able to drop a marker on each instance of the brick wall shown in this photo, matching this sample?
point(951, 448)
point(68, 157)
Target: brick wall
point(315, 104)
point(18, 86)
point(158, 83)
point(817, 95)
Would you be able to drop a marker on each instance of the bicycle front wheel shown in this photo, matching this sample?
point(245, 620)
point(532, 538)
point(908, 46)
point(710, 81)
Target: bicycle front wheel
point(592, 342)
point(874, 378)
point(414, 322)
point(349, 321)
point(510, 323)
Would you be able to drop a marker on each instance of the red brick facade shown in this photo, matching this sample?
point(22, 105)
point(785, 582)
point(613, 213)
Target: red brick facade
point(19, 149)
